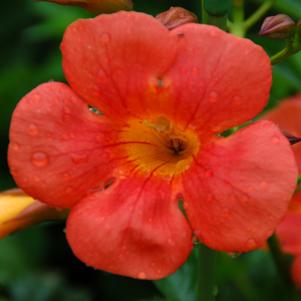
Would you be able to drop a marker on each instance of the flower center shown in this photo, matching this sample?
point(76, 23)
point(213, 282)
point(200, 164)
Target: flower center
point(159, 146)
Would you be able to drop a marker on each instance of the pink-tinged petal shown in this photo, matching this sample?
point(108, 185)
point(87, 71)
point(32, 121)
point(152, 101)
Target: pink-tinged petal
point(219, 80)
point(56, 151)
point(240, 187)
point(289, 231)
point(112, 61)
point(288, 117)
point(296, 270)
point(134, 228)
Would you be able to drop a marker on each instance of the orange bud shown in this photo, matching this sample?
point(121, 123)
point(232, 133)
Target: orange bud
point(278, 27)
point(18, 210)
point(176, 16)
point(98, 6)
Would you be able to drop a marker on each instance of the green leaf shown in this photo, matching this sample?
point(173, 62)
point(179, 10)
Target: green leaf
point(181, 286)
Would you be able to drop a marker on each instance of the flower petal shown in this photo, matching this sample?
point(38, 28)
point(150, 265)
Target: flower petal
point(287, 116)
point(18, 210)
point(189, 74)
point(112, 61)
point(220, 81)
point(134, 228)
point(240, 187)
point(289, 231)
point(56, 151)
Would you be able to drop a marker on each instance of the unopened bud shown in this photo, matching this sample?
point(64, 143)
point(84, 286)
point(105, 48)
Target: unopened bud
point(18, 210)
point(176, 16)
point(98, 6)
point(278, 27)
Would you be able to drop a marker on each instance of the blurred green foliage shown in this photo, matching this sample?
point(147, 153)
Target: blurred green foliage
point(37, 264)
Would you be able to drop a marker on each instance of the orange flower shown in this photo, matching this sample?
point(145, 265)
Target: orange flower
point(165, 97)
point(98, 6)
point(18, 210)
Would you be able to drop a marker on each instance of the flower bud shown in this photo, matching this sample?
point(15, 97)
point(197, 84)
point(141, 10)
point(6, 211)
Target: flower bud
point(176, 16)
point(278, 27)
point(18, 210)
point(98, 6)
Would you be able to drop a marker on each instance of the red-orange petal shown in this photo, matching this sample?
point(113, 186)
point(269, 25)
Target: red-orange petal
point(56, 151)
point(134, 228)
point(288, 117)
point(135, 66)
point(220, 81)
point(296, 270)
point(240, 187)
point(112, 61)
point(289, 231)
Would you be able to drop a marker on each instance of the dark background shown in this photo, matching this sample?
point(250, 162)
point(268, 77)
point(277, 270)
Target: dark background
point(37, 264)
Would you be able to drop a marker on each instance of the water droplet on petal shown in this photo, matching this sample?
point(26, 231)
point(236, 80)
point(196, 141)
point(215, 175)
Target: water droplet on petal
point(208, 173)
point(68, 190)
point(263, 185)
point(236, 100)
point(213, 97)
point(39, 159)
point(275, 140)
point(234, 255)
point(105, 38)
point(33, 130)
point(79, 158)
point(251, 244)
point(15, 146)
point(141, 275)
point(209, 198)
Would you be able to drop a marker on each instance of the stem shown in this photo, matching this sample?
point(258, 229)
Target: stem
point(280, 259)
point(206, 276)
point(237, 27)
point(204, 14)
point(283, 267)
point(293, 46)
point(258, 14)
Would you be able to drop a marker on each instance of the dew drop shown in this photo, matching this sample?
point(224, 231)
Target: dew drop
point(208, 174)
point(263, 185)
point(33, 130)
point(79, 158)
point(213, 97)
point(39, 159)
point(141, 275)
point(15, 146)
point(251, 244)
point(237, 99)
point(105, 38)
point(209, 198)
point(275, 140)
point(234, 255)
point(68, 190)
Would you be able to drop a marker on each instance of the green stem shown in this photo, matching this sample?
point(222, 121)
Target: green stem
point(283, 266)
point(238, 15)
point(280, 259)
point(206, 280)
point(204, 14)
point(293, 46)
point(258, 14)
